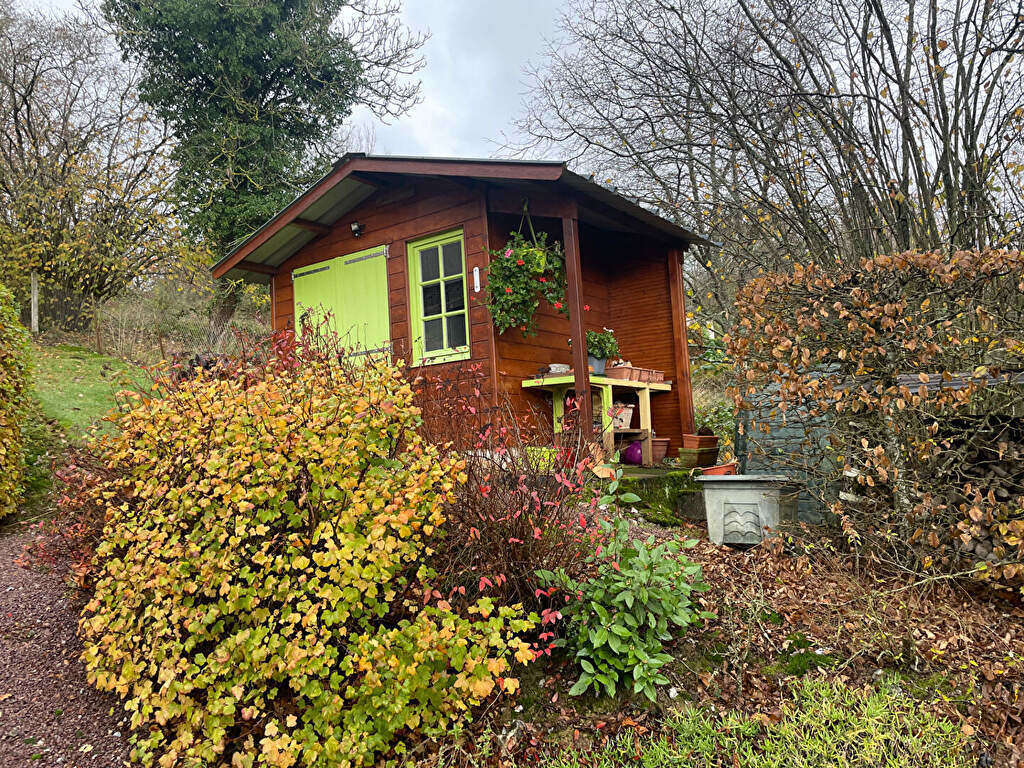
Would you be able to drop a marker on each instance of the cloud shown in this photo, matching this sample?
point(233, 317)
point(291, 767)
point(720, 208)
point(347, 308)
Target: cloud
point(472, 81)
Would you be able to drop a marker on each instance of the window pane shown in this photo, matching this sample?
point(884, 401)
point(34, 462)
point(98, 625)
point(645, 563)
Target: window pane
point(433, 338)
point(452, 254)
point(454, 299)
point(428, 264)
point(431, 299)
point(457, 330)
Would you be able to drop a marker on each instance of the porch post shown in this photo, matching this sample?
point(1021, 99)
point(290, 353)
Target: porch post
point(680, 340)
point(574, 298)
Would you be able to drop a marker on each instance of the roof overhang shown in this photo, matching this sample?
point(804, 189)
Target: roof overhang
point(350, 182)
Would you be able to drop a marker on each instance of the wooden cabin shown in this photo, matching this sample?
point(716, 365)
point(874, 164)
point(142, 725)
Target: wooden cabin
point(358, 240)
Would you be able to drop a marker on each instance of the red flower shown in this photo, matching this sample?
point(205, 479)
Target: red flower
point(520, 262)
point(508, 290)
point(586, 307)
point(558, 305)
point(542, 279)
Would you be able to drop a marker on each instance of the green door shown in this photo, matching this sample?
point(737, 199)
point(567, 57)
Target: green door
point(352, 291)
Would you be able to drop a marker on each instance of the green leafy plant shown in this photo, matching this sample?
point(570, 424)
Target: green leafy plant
point(612, 495)
point(602, 344)
point(621, 616)
point(519, 276)
point(720, 418)
point(14, 381)
point(263, 590)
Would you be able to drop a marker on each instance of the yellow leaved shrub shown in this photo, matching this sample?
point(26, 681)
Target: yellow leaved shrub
point(260, 594)
point(14, 376)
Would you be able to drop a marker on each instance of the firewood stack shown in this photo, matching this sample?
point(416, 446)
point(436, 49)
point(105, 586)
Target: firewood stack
point(991, 479)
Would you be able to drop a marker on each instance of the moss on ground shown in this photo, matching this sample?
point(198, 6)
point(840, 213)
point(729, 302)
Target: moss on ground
point(799, 657)
point(666, 497)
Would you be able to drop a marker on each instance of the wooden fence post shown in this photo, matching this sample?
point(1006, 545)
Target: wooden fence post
point(34, 305)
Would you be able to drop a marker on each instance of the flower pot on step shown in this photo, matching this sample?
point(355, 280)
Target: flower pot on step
point(699, 451)
point(659, 449)
point(597, 365)
point(728, 468)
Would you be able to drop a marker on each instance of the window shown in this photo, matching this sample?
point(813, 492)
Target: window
point(437, 298)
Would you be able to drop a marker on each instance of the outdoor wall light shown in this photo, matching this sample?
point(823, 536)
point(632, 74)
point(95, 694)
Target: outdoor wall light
point(357, 229)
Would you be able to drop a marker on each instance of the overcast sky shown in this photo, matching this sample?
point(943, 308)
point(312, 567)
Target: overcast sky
point(472, 81)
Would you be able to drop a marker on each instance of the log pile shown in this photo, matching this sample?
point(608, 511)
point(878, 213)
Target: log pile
point(991, 479)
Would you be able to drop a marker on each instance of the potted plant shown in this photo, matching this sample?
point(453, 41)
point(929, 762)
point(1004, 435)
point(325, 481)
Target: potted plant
point(601, 346)
point(527, 270)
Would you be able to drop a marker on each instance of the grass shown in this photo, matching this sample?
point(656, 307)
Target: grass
point(824, 724)
point(76, 388)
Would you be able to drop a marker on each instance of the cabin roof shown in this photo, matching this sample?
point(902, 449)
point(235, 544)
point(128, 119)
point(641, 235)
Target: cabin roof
point(351, 180)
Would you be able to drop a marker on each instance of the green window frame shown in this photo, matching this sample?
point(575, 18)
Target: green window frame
point(438, 299)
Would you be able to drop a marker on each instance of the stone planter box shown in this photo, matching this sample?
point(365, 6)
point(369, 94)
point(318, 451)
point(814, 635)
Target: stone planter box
point(742, 509)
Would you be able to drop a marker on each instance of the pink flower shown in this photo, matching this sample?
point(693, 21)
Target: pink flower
point(508, 253)
point(586, 307)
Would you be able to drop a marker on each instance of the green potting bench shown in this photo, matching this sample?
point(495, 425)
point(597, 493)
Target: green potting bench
point(559, 385)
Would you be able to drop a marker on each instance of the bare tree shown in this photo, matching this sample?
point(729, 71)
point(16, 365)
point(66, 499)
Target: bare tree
point(83, 171)
point(795, 129)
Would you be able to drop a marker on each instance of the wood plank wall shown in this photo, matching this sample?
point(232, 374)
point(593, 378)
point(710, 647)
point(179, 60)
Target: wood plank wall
point(641, 314)
point(625, 283)
point(435, 206)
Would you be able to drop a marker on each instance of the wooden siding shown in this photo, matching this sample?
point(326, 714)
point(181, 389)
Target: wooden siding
point(626, 286)
point(394, 218)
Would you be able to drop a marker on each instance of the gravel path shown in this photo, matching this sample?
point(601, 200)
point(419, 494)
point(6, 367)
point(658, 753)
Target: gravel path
point(49, 716)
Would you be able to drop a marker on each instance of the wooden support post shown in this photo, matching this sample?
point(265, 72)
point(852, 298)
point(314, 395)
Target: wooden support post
point(574, 298)
point(34, 306)
point(607, 429)
point(681, 343)
point(646, 446)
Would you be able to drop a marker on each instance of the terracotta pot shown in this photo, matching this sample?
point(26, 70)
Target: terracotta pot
point(721, 469)
point(634, 374)
point(658, 376)
point(659, 449)
point(700, 441)
point(621, 372)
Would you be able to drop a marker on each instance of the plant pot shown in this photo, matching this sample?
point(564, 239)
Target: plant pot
point(728, 468)
point(537, 258)
point(700, 441)
point(698, 457)
point(742, 509)
point(622, 415)
point(634, 374)
point(620, 372)
point(659, 449)
point(597, 365)
point(657, 376)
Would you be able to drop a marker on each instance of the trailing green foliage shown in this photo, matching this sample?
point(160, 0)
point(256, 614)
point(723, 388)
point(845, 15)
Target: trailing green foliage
point(519, 276)
point(14, 383)
point(620, 618)
point(826, 724)
point(261, 594)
